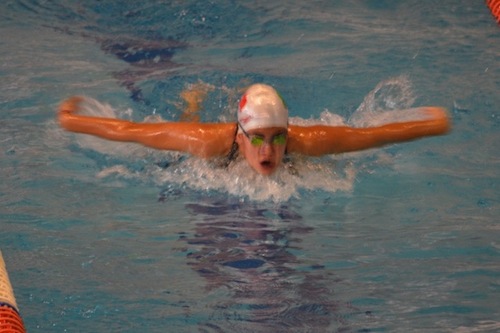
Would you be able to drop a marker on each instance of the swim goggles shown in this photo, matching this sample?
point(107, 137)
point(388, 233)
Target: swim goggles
point(258, 140)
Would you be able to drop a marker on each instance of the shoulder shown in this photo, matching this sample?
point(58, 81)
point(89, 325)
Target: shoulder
point(215, 139)
point(316, 140)
point(299, 139)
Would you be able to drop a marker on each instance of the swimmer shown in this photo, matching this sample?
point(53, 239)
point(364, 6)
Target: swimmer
point(261, 134)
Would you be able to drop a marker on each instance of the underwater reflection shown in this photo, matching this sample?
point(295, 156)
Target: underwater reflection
point(148, 59)
point(250, 254)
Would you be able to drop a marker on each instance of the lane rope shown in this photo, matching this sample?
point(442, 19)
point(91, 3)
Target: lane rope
point(10, 319)
point(494, 6)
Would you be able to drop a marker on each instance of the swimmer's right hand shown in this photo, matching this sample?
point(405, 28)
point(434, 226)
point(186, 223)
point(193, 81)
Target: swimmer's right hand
point(70, 105)
point(67, 113)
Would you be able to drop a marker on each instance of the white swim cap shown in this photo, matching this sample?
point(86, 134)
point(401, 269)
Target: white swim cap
point(261, 107)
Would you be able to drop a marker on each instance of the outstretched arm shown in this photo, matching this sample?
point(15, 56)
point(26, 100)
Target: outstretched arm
point(204, 140)
point(321, 140)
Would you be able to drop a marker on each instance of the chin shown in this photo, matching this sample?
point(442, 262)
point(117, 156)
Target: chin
point(266, 170)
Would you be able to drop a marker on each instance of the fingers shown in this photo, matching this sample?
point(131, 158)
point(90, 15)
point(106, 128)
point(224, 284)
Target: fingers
point(70, 105)
point(434, 113)
point(440, 115)
point(66, 109)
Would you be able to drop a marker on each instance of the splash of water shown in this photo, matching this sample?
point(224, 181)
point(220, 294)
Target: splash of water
point(387, 102)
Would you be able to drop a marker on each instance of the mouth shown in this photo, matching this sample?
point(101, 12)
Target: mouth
point(267, 165)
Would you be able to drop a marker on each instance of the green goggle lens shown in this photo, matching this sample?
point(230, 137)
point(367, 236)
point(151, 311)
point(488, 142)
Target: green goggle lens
point(279, 139)
point(258, 141)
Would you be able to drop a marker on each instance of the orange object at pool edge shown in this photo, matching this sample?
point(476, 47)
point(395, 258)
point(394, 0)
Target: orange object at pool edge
point(494, 6)
point(10, 321)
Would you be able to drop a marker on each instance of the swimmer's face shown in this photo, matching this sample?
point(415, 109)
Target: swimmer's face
point(263, 148)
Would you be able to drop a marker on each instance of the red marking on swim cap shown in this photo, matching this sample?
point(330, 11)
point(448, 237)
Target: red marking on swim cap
point(243, 101)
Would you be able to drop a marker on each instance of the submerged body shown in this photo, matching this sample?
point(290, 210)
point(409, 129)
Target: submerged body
point(263, 135)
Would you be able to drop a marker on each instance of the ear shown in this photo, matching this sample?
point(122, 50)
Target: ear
point(239, 139)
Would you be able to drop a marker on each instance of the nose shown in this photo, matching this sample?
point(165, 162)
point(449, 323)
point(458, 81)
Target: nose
point(266, 149)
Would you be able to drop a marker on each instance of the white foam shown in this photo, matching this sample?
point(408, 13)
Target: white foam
point(387, 102)
point(240, 180)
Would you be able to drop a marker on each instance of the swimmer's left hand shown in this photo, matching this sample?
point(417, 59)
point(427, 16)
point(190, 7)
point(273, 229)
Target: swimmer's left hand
point(440, 115)
point(435, 112)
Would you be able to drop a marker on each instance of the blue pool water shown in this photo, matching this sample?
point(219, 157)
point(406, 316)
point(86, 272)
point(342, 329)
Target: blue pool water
point(112, 237)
